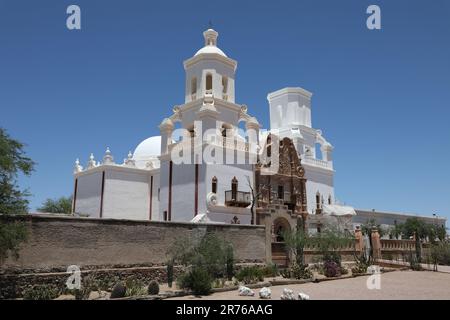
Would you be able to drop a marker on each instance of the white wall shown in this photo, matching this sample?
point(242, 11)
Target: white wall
point(318, 181)
point(89, 194)
point(126, 195)
point(183, 192)
point(155, 198)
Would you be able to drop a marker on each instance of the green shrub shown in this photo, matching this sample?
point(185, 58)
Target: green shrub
point(343, 270)
point(210, 253)
point(134, 287)
point(331, 269)
point(229, 262)
point(296, 271)
point(218, 283)
point(251, 274)
point(153, 287)
point(271, 270)
point(118, 291)
point(170, 273)
point(198, 280)
point(41, 292)
point(89, 283)
point(440, 253)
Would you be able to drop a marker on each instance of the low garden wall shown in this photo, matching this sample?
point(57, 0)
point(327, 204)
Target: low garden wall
point(57, 242)
point(110, 250)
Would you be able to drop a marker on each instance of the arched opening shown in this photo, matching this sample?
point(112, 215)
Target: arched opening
point(214, 185)
point(279, 253)
point(225, 87)
point(191, 130)
point(318, 203)
point(281, 192)
point(269, 146)
point(280, 226)
point(329, 199)
point(234, 189)
point(318, 151)
point(194, 88)
point(209, 82)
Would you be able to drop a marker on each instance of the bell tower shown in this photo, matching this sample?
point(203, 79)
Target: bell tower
point(210, 72)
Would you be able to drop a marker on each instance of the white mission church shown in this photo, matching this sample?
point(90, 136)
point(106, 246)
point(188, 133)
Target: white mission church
point(151, 185)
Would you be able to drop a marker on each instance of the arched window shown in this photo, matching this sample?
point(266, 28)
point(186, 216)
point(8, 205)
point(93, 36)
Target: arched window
point(226, 130)
point(209, 82)
point(234, 188)
point(194, 88)
point(214, 185)
point(269, 146)
point(318, 201)
point(280, 192)
point(191, 131)
point(329, 199)
point(224, 85)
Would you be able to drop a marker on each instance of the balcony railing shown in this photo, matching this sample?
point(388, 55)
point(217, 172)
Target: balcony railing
point(240, 199)
point(318, 163)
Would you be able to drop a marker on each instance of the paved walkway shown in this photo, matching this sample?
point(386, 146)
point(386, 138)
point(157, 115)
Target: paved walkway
point(405, 285)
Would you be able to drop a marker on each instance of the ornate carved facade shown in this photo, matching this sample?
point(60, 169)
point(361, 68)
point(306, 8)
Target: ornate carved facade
point(286, 186)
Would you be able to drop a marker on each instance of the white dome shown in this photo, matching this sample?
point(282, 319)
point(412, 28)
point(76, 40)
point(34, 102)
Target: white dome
point(147, 150)
point(210, 49)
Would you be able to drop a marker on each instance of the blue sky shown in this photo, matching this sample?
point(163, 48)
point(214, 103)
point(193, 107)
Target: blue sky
point(380, 97)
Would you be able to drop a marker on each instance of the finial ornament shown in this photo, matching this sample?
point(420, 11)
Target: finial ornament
point(129, 161)
point(78, 167)
point(108, 158)
point(91, 163)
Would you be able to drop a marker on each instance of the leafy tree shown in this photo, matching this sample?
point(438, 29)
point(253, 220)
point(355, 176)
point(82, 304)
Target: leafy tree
point(61, 205)
point(12, 200)
point(370, 224)
point(11, 235)
point(295, 242)
point(330, 241)
point(12, 161)
point(416, 227)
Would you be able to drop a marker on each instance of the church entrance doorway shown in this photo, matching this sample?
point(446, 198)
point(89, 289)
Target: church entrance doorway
point(279, 253)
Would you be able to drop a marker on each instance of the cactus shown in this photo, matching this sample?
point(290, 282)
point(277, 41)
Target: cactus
point(118, 291)
point(153, 288)
point(170, 273)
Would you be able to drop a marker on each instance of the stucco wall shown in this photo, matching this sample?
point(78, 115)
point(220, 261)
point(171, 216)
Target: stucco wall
point(89, 191)
point(57, 242)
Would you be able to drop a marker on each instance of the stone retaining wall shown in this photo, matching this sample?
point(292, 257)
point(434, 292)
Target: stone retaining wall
point(57, 242)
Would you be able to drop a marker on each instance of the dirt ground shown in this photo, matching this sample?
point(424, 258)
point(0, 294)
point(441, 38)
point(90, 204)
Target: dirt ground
point(405, 285)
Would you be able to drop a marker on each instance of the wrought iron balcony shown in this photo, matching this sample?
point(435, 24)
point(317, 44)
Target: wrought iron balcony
point(238, 199)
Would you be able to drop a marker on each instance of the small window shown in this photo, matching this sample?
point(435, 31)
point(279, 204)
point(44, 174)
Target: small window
point(165, 216)
point(191, 131)
point(318, 201)
point(234, 188)
point(209, 81)
point(194, 85)
point(214, 185)
point(159, 192)
point(329, 199)
point(280, 192)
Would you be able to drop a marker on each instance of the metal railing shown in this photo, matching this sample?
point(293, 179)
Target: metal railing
point(238, 198)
